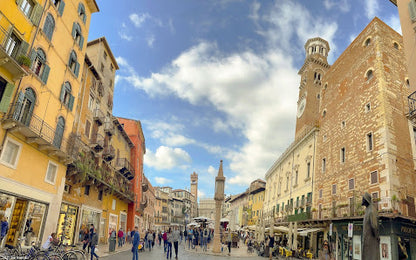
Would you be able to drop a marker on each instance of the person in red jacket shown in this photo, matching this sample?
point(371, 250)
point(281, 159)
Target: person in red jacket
point(120, 236)
point(165, 242)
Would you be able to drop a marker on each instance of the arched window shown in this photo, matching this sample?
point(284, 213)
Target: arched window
point(39, 67)
point(77, 35)
point(73, 63)
point(49, 26)
point(24, 106)
point(81, 12)
point(369, 74)
point(396, 45)
point(367, 42)
point(66, 96)
point(59, 132)
point(60, 5)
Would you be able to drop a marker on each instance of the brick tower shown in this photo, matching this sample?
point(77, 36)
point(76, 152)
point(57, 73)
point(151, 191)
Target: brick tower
point(194, 191)
point(311, 73)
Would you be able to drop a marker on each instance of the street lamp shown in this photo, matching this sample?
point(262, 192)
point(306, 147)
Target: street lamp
point(218, 197)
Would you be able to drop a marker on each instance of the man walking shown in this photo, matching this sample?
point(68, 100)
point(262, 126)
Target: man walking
point(175, 239)
point(136, 241)
point(94, 242)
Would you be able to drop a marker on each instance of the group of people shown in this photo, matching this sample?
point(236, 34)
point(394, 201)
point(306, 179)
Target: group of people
point(89, 240)
point(198, 236)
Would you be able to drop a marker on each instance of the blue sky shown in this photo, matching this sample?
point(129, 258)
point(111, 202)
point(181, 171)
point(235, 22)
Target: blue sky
point(215, 80)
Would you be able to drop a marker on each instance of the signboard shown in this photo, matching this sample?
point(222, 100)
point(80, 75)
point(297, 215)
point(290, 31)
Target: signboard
point(330, 229)
point(350, 229)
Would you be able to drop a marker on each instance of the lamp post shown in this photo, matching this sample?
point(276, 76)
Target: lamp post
point(218, 197)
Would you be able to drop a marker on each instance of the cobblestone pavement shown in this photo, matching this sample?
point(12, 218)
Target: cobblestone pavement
point(158, 253)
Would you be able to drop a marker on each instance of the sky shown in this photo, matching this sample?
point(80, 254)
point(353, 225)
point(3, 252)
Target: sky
point(215, 80)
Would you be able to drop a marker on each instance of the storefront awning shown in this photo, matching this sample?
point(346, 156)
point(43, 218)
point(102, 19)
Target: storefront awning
point(305, 232)
point(281, 229)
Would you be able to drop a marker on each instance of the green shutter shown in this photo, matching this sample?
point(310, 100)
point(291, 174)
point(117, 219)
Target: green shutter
point(36, 14)
point(32, 56)
point(61, 8)
point(62, 96)
point(84, 17)
point(73, 30)
point(81, 41)
point(71, 102)
point(19, 2)
point(18, 106)
point(23, 48)
point(76, 71)
point(7, 95)
point(45, 74)
point(412, 10)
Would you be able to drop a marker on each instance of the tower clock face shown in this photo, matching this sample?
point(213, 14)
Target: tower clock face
point(301, 107)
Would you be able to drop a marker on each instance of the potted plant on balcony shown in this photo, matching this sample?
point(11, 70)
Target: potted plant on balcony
point(24, 61)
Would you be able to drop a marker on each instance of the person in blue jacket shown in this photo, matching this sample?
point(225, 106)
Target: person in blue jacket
point(4, 227)
point(136, 241)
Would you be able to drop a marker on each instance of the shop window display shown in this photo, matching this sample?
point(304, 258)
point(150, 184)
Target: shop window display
point(89, 217)
point(66, 224)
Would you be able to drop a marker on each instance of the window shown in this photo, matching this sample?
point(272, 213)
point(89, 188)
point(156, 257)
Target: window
point(412, 10)
point(105, 55)
point(396, 45)
point(77, 35)
point(81, 12)
point(51, 173)
point(10, 153)
point(39, 66)
point(324, 113)
point(308, 170)
point(60, 5)
point(111, 67)
point(12, 45)
point(342, 155)
point(91, 103)
point(369, 74)
point(369, 141)
point(73, 63)
point(66, 97)
point(6, 92)
point(100, 195)
point(367, 107)
point(323, 165)
point(351, 184)
point(49, 26)
point(67, 189)
point(24, 106)
point(373, 177)
point(334, 189)
point(320, 193)
point(287, 182)
point(343, 124)
point(367, 42)
point(407, 83)
point(87, 190)
point(87, 129)
point(59, 132)
point(113, 205)
point(26, 6)
point(296, 177)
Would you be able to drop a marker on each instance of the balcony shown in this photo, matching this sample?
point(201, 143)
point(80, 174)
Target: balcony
point(124, 167)
point(411, 100)
point(97, 142)
point(109, 127)
point(299, 217)
point(11, 49)
point(37, 131)
point(98, 116)
point(109, 153)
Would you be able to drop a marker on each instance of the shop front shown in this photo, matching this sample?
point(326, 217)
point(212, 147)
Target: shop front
point(66, 223)
point(90, 216)
point(26, 219)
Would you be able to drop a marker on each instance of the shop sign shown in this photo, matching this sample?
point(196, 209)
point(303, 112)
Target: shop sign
point(330, 229)
point(350, 229)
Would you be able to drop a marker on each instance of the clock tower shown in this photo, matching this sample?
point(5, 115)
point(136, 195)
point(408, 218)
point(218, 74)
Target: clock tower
point(312, 73)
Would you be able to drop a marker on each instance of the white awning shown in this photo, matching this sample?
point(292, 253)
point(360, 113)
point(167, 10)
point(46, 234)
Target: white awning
point(281, 229)
point(305, 232)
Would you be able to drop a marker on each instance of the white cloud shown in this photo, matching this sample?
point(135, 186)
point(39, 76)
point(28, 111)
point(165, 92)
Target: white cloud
point(167, 158)
point(201, 194)
point(150, 40)
point(125, 36)
point(342, 5)
point(256, 91)
point(170, 26)
point(254, 12)
point(394, 22)
point(162, 181)
point(138, 19)
point(371, 8)
point(211, 170)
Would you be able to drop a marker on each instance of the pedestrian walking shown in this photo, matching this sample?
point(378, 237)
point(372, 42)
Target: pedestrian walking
point(229, 240)
point(165, 240)
point(169, 244)
point(128, 236)
point(94, 243)
point(85, 239)
point(190, 235)
point(120, 237)
point(136, 241)
point(150, 240)
point(205, 239)
point(175, 240)
point(325, 252)
point(185, 235)
point(271, 246)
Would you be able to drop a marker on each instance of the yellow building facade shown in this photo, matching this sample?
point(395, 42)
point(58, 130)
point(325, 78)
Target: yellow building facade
point(37, 123)
point(255, 201)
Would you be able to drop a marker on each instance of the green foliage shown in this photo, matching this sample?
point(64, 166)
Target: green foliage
point(24, 60)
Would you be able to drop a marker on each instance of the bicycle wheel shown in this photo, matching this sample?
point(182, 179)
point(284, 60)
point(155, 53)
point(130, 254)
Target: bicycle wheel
point(69, 256)
point(54, 256)
point(40, 256)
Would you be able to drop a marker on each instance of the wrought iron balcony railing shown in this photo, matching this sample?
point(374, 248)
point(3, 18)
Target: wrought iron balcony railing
point(97, 142)
point(124, 167)
point(109, 153)
point(109, 127)
point(98, 116)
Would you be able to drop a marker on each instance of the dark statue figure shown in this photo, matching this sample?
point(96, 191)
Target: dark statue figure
point(371, 239)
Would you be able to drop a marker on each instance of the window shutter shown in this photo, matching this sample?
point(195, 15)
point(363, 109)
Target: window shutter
point(71, 102)
point(84, 17)
point(81, 41)
point(19, 2)
point(23, 48)
point(7, 95)
point(62, 96)
point(18, 105)
point(32, 56)
point(74, 30)
point(36, 14)
point(45, 74)
point(412, 10)
point(76, 71)
point(61, 8)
